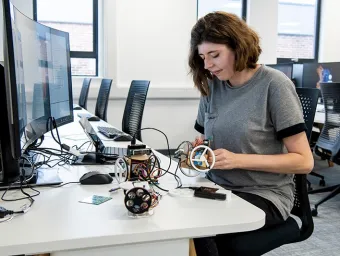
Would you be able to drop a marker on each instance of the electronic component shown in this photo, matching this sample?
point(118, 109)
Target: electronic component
point(209, 195)
point(194, 160)
point(138, 200)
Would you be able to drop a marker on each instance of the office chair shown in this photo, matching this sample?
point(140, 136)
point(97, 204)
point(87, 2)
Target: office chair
point(309, 101)
point(84, 93)
point(264, 240)
point(328, 144)
point(103, 99)
point(134, 108)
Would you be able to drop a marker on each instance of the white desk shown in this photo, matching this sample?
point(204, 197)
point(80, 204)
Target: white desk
point(58, 223)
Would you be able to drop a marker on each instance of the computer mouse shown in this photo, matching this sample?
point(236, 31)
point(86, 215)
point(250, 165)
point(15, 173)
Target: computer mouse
point(95, 178)
point(77, 108)
point(123, 137)
point(93, 119)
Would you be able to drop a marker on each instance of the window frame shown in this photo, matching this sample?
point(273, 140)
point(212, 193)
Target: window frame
point(316, 41)
point(82, 54)
point(243, 11)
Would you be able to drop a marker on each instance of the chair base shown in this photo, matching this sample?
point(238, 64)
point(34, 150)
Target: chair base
point(335, 190)
point(322, 182)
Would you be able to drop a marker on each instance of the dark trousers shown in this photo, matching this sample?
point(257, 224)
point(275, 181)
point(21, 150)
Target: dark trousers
point(231, 244)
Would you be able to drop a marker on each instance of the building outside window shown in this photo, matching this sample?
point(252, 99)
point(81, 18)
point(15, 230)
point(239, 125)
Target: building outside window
point(80, 23)
point(297, 29)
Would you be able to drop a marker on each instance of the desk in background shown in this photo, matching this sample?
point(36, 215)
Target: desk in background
point(59, 224)
point(320, 114)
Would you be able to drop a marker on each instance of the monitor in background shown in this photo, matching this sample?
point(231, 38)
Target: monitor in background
point(310, 76)
point(37, 86)
point(286, 68)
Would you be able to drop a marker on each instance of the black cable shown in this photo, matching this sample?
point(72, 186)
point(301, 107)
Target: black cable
point(78, 148)
point(177, 178)
point(151, 128)
point(28, 196)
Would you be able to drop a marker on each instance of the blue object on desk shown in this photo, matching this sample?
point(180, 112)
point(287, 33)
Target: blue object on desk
point(326, 76)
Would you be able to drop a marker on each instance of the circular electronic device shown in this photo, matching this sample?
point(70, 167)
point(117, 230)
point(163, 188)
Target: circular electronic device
point(121, 170)
point(138, 200)
point(198, 158)
point(182, 154)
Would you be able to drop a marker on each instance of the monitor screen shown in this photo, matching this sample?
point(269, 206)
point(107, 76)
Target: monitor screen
point(287, 69)
point(36, 80)
point(43, 75)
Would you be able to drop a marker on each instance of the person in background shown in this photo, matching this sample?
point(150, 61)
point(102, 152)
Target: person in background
point(319, 72)
point(253, 118)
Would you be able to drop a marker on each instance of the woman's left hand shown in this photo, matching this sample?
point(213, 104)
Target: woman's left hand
point(224, 159)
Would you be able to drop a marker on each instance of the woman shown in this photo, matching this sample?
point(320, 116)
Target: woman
point(253, 117)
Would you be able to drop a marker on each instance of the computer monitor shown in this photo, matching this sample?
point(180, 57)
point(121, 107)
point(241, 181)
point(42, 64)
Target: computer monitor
point(286, 68)
point(37, 86)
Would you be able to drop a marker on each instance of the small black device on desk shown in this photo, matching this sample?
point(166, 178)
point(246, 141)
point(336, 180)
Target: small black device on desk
point(77, 108)
point(95, 178)
point(209, 193)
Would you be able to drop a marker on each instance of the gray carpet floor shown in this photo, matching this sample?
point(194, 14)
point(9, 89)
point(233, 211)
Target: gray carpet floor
point(325, 239)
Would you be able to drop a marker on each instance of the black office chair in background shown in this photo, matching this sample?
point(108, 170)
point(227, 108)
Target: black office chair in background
point(84, 93)
point(134, 108)
point(264, 240)
point(103, 99)
point(309, 101)
point(328, 144)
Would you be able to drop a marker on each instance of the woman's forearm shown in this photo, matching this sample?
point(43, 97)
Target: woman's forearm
point(282, 163)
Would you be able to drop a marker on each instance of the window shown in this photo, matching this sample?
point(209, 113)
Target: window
point(80, 19)
point(237, 7)
point(298, 30)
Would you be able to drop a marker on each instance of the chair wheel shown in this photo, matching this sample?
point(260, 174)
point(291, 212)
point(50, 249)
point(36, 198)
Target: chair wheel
point(314, 212)
point(322, 183)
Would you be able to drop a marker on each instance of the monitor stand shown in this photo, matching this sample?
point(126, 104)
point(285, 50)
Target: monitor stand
point(94, 159)
point(42, 177)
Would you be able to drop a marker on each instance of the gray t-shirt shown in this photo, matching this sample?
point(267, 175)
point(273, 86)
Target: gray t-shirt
point(253, 119)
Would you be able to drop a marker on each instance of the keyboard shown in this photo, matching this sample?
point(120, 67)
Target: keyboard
point(109, 132)
point(109, 151)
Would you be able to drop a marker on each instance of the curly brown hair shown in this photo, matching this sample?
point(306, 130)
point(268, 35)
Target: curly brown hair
point(230, 30)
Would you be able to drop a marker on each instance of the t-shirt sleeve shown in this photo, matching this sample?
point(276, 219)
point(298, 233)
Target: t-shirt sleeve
point(285, 110)
point(202, 109)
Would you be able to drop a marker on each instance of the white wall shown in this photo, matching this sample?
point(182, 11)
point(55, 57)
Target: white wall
point(149, 39)
point(265, 24)
point(329, 50)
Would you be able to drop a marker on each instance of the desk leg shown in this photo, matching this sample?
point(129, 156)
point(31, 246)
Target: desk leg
point(192, 250)
point(164, 248)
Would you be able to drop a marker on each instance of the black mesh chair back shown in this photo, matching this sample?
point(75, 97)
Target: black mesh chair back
point(309, 100)
point(329, 138)
point(84, 93)
point(103, 99)
point(134, 108)
point(301, 207)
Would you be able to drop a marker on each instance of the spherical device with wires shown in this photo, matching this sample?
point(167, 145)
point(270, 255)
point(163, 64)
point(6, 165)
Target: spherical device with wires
point(194, 160)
